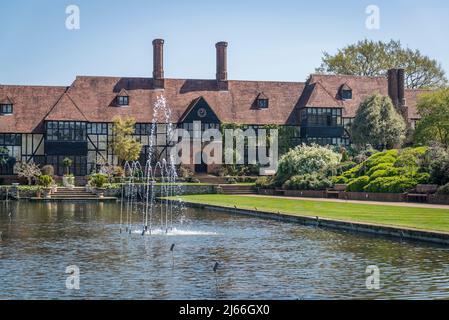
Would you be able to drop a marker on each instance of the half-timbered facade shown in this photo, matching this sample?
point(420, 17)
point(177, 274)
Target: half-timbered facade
point(47, 124)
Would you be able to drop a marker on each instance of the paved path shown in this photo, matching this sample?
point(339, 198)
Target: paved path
point(396, 204)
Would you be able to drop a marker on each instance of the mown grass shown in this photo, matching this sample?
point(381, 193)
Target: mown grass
point(401, 216)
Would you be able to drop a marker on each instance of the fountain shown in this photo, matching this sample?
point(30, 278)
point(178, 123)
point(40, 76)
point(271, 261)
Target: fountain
point(140, 187)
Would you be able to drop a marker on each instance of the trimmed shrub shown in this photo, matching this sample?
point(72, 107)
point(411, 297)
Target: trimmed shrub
point(399, 184)
point(98, 180)
point(382, 166)
point(389, 156)
point(48, 170)
point(345, 166)
point(305, 159)
point(340, 180)
point(45, 181)
point(357, 185)
point(307, 182)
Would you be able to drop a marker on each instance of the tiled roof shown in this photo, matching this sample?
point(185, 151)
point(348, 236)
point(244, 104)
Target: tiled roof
point(31, 105)
point(93, 95)
point(65, 109)
point(93, 99)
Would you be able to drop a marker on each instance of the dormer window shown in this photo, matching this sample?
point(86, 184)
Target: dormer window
point(6, 109)
point(262, 101)
point(345, 92)
point(123, 101)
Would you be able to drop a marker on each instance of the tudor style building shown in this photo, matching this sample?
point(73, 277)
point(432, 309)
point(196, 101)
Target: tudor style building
point(47, 124)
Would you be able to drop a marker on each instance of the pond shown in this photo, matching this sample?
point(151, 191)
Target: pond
point(258, 259)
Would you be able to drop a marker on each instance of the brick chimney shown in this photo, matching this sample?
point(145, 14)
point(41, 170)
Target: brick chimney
point(222, 65)
point(158, 64)
point(396, 90)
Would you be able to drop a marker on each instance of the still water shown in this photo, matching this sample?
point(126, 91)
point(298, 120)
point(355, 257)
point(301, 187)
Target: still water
point(259, 259)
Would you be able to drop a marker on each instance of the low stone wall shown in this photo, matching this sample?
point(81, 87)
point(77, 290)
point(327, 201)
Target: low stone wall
point(384, 197)
point(183, 190)
point(266, 192)
point(438, 199)
point(357, 227)
point(16, 193)
point(305, 193)
point(360, 196)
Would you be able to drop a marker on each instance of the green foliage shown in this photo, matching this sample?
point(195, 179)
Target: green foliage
point(378, 123)
point(340, 180)
point(306, 159)
point(444, 189)
point(98, 180)
point(124, 145)
point(438, 165)
point(264, 183)
point(375, 58)
point(434, 123)
point(357, 184)
point(344, 166)
point(45, 181)
point(379, 167)
point(4, 156)
point(389, 171)
point(67, 162)
point(29, 188)
point(397, 184)
point(386, 157)
point(307, 182)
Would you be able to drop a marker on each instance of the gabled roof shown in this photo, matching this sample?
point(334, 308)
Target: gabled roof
point(361, 88)
point(65, 109)
point(192, 106)
point(31, 105)
point(320, 97)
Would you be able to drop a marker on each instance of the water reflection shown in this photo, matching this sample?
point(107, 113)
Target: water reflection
point(258, 258)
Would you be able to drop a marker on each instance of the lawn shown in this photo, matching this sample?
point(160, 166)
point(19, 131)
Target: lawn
point(412, 217)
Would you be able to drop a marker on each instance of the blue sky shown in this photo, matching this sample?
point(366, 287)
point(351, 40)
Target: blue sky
point(268, 40)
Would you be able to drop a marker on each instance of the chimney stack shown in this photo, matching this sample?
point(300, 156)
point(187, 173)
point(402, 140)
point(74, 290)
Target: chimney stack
point(393, 91)
point(222, 65)
point(158, 64)
point(396, 90)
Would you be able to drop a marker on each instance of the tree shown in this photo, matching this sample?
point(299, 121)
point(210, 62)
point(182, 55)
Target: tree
point(378, 123)
point(30, 171)
point(370, 58)
point(434, 124)
point(124, 145)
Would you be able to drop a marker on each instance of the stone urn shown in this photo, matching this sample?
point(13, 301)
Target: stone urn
point(100, 192)
point(68, 182)
point(47, 193)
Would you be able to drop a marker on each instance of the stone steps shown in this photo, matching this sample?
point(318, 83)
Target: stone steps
point(236, 189)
